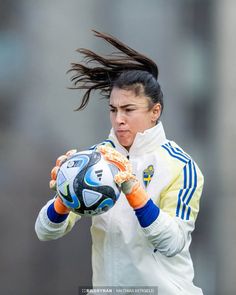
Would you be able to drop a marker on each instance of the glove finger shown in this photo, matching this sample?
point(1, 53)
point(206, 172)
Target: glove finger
point(53, 185)
point(111, 155)
point(60, 160)
point(54, 172)
point(123, 176)
point(71, 152)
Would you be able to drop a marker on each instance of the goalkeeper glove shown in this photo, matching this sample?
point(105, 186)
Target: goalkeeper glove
point(58, 204)
point(146, 211)
point(130, 185)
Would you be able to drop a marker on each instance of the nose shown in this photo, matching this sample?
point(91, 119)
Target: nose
point(120, 119)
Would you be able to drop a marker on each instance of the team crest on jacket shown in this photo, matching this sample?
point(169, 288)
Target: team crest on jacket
point(147, 175)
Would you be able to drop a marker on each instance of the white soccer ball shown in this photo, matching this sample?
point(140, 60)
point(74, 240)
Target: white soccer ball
point(85, 183)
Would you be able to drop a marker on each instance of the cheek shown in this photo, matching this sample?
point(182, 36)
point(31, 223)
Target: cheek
point(112, 119)
point(140, 124)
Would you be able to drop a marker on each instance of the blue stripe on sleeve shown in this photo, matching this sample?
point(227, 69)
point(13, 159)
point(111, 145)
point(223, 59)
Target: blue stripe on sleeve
point(174, 154)
point(189, 166)
point(183, 210)
point(194, 184)
point(188, 213)
point(181, 191)
point(54, 216)
point(147, 214)
point(186, 193)
point(179, 152)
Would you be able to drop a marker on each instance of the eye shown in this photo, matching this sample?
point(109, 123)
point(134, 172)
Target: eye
point(112, 110)
point(129, 110)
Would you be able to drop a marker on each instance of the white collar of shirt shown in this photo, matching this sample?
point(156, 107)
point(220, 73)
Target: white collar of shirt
point(144, 142)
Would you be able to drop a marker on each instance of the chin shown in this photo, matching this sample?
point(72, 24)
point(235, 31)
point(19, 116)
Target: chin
point(125, 144)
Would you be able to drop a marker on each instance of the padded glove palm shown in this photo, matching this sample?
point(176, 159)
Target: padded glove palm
point(130, 185)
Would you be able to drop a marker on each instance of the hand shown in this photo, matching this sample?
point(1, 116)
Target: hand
point(58, 203)
point(60, 160)
point(130, 185)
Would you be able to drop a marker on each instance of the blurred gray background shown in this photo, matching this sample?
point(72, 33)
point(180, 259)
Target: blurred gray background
point(194, 44)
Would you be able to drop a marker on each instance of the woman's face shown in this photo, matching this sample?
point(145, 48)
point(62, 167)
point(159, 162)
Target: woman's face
point(130, 114)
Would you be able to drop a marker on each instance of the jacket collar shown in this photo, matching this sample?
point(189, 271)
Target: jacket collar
point(144, 142)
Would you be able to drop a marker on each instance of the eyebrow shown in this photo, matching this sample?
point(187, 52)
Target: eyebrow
point(123, 106)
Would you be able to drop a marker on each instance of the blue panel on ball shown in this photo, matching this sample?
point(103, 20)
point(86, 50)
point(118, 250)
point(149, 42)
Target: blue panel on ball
point(74, 204)
point(91, 178)
point(90, 197)
point(107, 203)
point(60, 178)
point(69, 199)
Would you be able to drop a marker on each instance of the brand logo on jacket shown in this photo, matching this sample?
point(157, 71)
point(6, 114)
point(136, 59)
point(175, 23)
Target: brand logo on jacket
point(147, 175)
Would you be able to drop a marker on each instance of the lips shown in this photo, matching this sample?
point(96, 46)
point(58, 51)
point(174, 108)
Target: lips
point(120, 131)
point(124, 137)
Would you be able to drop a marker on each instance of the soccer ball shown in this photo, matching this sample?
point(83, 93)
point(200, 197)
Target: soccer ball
point(85, 183)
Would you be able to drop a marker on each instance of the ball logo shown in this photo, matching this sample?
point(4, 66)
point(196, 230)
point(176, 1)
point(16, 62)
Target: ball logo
point(99, 174)
point(92, 177)
point(70, 164)
point(79, 163)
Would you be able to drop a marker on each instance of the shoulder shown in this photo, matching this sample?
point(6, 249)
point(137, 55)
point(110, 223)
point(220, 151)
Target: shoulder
point(177, 159)
point(172, 158)
point(174, 152)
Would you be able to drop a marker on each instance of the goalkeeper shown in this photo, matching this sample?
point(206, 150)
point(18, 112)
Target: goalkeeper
point(144, 239)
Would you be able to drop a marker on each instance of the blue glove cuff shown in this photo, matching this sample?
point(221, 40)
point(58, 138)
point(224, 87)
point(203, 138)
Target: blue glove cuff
point(54, 216)
point(147, 214)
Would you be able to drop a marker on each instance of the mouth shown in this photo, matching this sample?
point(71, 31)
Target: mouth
point(121, 131)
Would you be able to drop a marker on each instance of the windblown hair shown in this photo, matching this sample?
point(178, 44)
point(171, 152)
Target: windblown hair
point(125, 69)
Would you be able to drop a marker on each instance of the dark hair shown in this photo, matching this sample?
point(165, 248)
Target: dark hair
point(125, 69)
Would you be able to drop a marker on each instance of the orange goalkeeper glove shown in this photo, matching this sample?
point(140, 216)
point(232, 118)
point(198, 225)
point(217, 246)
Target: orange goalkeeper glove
point(59, 207)
point(130, 185)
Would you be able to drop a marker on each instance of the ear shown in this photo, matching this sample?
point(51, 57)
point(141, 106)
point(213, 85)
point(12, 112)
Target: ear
point(156, 112)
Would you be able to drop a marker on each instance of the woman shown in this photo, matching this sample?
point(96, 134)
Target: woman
point(144, 239)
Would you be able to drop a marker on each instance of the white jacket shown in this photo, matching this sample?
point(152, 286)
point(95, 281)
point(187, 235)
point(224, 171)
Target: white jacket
point(123, 253)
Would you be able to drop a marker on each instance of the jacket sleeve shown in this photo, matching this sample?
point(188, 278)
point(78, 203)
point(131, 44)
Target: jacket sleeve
point(47, 230)
point(179, 206)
